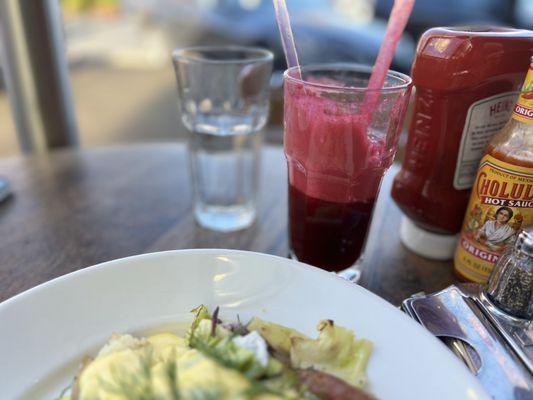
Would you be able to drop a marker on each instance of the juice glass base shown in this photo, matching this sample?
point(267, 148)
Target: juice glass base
point(352, 273)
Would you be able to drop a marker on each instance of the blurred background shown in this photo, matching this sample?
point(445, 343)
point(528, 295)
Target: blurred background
point(121, 74)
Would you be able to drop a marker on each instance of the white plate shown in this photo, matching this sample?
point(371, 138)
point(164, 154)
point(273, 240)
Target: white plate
point(45, 331)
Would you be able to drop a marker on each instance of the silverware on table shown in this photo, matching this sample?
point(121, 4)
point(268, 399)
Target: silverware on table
point(496, 347)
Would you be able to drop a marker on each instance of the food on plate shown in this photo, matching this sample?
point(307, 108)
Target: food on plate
point(216, 360)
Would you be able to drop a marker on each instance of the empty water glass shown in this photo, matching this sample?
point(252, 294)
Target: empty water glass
point(224, 101)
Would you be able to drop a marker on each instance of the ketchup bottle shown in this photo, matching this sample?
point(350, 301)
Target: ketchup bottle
point(467, 81)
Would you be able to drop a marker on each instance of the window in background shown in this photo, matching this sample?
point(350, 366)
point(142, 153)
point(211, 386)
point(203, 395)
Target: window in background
point(121, 74)
point(119, 51)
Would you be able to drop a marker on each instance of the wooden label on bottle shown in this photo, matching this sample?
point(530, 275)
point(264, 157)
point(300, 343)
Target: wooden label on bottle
point(501, 204)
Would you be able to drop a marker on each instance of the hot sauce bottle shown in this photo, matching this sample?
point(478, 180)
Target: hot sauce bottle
point(466, 81)
point(501, 203)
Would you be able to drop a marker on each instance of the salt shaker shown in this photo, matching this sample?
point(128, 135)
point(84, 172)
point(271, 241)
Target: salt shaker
point(510, 285)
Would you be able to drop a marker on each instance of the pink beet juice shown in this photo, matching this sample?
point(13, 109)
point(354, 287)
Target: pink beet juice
point(337, 155)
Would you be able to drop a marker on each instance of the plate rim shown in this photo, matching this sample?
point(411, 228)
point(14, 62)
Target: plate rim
point(104, 264)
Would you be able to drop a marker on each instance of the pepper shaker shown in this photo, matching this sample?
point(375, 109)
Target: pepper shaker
point(510, 286)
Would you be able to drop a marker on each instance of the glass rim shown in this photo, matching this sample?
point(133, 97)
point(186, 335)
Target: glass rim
point(261, 54)
point(405, 80)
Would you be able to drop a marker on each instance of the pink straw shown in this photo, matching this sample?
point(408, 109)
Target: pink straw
point(287, 38)
point(397, 21)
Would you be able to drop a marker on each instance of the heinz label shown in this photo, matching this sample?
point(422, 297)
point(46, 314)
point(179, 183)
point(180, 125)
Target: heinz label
point(501, 204)
point(484, 119)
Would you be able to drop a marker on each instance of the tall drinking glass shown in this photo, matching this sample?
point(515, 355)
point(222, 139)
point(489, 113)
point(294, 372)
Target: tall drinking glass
point(340, 138)
point(224, 100)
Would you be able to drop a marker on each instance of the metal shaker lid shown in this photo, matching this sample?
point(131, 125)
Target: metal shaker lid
point(525, 243)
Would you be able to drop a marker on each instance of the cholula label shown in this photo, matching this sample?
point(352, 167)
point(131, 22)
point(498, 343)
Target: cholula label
point(523, 110)
point(500, 205)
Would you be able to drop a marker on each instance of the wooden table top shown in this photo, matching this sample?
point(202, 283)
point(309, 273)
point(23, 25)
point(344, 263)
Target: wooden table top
point(75, 208)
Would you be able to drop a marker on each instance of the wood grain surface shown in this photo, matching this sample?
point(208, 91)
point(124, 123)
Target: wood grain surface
point(75, 208)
